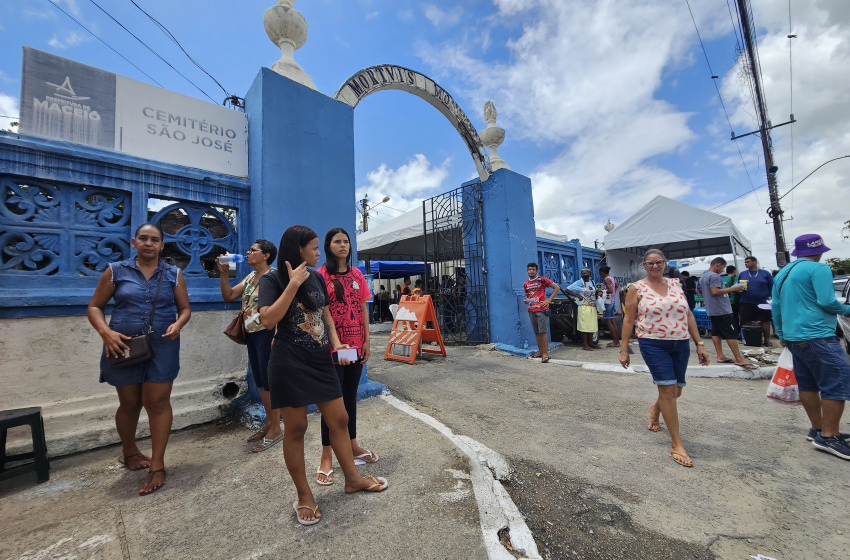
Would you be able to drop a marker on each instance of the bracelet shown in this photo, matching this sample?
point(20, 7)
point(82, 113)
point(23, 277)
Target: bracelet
point(700, 343)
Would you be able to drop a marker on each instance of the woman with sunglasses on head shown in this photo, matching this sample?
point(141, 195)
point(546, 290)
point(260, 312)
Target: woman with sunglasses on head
point(664, 322)
point(348, 293)
point(142, 286)
point(294, 299)
point(258, 339)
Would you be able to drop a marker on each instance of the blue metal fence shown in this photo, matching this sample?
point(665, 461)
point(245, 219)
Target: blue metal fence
point(67, 211)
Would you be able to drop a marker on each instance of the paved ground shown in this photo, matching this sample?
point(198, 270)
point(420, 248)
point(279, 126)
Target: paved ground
point(587, 477)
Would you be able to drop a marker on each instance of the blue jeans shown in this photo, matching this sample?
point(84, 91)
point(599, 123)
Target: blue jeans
point(667, 360)
point(259, 348)
point(821, 365)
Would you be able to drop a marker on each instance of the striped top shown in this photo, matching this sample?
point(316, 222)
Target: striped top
point(662, 317)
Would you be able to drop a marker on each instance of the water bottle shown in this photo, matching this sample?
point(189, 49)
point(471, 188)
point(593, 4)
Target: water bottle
point(228, 259)
point(525, 344)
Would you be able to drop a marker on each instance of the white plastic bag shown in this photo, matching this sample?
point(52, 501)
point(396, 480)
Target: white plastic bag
point(600, 304)
point(783, 387)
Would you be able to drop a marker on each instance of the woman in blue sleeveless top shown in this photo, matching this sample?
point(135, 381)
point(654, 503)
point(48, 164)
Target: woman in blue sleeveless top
point(133, 283)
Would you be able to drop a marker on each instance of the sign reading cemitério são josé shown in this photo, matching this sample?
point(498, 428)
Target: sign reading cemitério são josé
point(65, 100)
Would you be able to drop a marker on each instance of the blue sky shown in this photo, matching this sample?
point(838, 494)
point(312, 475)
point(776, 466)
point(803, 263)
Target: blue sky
point(605, 104)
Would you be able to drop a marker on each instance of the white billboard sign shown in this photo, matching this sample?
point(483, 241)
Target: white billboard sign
point(64, 100)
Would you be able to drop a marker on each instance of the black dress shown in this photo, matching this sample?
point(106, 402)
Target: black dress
point(300, 368)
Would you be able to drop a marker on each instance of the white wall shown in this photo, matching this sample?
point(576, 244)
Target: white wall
point(52, 362)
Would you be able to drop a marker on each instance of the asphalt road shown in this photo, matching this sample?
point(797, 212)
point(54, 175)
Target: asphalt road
point(593, 482)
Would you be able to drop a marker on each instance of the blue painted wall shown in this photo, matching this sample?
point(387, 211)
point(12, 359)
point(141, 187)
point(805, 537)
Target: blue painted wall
point(300, 159)
point(510, 243)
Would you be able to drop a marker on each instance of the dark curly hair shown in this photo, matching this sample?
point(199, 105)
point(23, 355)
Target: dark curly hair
point(268, 247)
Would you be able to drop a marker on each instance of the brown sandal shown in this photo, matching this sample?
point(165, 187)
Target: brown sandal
point(125, 460)
point(149, 478)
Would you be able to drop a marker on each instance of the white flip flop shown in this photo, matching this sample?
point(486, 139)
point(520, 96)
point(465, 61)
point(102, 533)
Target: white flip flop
point(327, 474)
point(315, 510)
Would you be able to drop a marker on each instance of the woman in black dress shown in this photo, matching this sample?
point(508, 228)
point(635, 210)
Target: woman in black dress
point(294, 299)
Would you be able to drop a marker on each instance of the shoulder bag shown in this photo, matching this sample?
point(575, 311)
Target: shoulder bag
point(139, 349)
point(235, 331)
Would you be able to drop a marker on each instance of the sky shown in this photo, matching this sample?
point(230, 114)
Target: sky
point(605, 104)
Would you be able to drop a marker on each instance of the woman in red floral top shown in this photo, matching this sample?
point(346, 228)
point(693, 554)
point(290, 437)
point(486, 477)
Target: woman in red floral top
point(348, 293)
point(663, 324)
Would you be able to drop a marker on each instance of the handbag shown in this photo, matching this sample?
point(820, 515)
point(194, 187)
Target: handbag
point(139, 348)
point(235, 331)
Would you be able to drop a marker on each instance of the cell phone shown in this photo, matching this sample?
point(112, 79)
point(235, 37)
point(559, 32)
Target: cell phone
point(350, 354)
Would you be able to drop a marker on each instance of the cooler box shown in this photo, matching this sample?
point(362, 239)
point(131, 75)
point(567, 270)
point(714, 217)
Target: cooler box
point(701, 318)
point(753, 335)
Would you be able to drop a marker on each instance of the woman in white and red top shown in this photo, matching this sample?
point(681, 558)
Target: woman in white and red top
point(663, 323)
point(348, 294)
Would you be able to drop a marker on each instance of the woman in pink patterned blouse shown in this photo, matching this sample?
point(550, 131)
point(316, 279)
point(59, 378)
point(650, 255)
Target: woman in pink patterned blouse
point(663, 324)
point(348, 293)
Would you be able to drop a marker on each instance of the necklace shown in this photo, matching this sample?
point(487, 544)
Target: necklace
point(756, 275)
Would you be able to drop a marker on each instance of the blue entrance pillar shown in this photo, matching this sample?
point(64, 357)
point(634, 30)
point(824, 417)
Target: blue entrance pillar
point(301, 164)
point(510, 243)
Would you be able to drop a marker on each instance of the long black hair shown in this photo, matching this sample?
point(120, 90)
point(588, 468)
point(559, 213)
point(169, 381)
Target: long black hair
point(291, 243)
point(332, 265)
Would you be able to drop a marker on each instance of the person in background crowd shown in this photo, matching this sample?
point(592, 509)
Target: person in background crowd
point(588, 323)
point(689, 285)
point(294, 301)
point(659, 307)
point(538, 308)
point(804, 312)
point(719, 310)
point(134, 284)
point(396, 294)
point(405, 290)
point(348, 296)
point(610, 285)
point(258, 339)
point(672, 272)
point(757, 292)
point(729, 280)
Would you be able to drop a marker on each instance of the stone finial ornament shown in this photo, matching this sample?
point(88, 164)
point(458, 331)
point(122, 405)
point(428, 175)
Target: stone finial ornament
point(287, 29)
point(492, 136)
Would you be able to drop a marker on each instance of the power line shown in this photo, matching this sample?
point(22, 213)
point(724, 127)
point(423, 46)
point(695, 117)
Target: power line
point(739, 196)
point(176, 42)
point(58, 7)
point(151, 50)
point(810, 174)
point(714, 81)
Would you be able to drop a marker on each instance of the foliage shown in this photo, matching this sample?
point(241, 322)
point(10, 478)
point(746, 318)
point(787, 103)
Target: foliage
point(835, 264)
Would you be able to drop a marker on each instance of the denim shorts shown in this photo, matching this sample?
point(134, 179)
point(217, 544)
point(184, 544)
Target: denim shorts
point(259, 349)
point(667, 360)
point(609, 311)
point(821, 365)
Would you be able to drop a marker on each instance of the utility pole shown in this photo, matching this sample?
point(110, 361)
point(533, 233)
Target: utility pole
point(775, 211)
point(364, 214)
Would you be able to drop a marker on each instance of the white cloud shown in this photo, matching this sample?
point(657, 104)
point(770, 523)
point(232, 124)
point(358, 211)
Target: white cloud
point(70, 6)
point(372, 15)
point(71, 39)
point(406, 186)
point(9, 108)
point(584, 78)
point(442, 18)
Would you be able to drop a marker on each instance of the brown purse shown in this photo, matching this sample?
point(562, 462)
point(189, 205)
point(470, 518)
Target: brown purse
point(235, 331)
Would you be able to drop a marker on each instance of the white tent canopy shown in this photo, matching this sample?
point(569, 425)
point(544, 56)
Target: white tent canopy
point(678, 229)
point(403, 238)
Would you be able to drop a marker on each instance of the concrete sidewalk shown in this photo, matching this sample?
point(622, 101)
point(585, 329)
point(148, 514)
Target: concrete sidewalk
point(221, 501)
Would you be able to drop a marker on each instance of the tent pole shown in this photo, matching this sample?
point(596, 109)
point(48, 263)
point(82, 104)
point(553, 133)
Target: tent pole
point(734, 254)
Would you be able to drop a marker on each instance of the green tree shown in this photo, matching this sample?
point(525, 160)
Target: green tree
point(839, 264)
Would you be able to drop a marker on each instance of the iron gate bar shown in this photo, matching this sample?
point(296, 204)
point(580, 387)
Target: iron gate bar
point(454, 256)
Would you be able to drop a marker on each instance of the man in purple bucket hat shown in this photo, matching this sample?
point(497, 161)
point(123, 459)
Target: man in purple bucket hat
point(804, 315)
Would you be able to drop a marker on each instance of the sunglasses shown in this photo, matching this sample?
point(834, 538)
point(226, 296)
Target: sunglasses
point(650, 264)
point(252, 250)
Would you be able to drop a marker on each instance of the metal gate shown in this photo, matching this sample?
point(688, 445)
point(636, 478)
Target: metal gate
point(454, 264)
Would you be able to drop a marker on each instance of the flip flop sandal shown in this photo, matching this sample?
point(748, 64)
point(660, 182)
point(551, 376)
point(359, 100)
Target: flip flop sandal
point(328, 474)
point(125, 460)
point(654, 426)
point(267, 443)
point(380, 485)
point(747, 366)
point(726, 361)
point(535, 355)
point(149, 478)
point(256, 436)
point(544, 360)
point(681, 461)
point(368, 454)
point(315, 510)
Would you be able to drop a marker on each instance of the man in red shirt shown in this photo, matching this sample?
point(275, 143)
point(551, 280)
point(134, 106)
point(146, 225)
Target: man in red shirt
point(538, 307)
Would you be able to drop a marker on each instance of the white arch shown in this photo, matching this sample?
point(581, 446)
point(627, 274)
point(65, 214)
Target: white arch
point(391, 76)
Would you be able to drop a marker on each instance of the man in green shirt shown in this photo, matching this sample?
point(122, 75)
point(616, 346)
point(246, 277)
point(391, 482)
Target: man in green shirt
point(804, 314)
